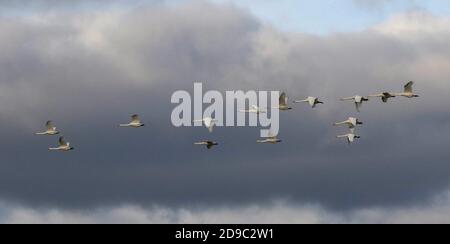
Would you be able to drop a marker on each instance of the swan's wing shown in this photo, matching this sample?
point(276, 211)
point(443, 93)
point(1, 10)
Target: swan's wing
point(358, 106)
point(270, 135)
point(283, 99)
point(313, 101)
point(135, 119)
point(409, 87)
point(62, 142)
point(49, 125)
point(351, 138)
point(208, 122)
point(353, 121)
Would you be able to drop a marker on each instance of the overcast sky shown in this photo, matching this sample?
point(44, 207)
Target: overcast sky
point(89, 67)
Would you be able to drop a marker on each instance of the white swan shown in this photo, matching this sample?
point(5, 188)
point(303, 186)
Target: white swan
point(351, 123)
point(358, 101)
point(408, 91)
point(350, 136)
point(271, 140)
point(283, 103)
point(63, 146)
point(209, 123)
point(51, 130)
point(135, 122)
point(208, 144)
point(313, 101)
point(384, 96)
point(254, 110)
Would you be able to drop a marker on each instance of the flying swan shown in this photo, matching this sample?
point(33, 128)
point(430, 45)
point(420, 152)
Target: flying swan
point(51, 130)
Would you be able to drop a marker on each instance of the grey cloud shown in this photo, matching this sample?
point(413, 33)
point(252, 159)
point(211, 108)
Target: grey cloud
point(89, 72)
point(436, 211)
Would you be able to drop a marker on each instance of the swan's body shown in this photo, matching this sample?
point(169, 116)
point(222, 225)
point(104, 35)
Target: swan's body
point(350, 136)
point(271, 139)
point(135, 122)
point(254, 110)
point(384, 96)
point(351, 123)
point(283, 103)
point(358, 100)
point(408, 91)
point(312, 101)
point(209, 123)
point(51, 130)
point(208, 144)
point(63, 146)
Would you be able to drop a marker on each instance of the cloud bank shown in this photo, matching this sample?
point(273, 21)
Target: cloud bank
point(278, 212)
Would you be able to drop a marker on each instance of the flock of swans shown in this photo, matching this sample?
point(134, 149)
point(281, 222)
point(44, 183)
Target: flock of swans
point(65, 146)
point(352, 123)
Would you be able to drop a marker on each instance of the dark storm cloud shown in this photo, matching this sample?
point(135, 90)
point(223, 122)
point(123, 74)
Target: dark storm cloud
point(88, 73)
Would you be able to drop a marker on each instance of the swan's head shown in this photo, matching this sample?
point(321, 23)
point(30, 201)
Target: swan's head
point(70, 148)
